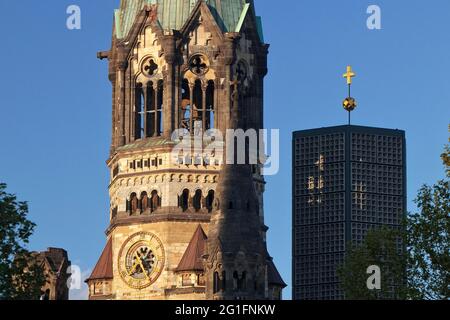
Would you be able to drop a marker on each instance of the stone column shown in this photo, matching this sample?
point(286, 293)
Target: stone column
point(204, 107)
point(169, 44)
point(144, 111)
point(177, 98)
point(229, 48)
point(113, 116)
point(216, 102)
point(122, 67)
point(191, 113)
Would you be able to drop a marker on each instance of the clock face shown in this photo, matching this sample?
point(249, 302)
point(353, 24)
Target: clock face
point(141, 260)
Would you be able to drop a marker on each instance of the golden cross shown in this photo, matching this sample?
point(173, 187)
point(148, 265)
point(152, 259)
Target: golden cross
point(349, 75)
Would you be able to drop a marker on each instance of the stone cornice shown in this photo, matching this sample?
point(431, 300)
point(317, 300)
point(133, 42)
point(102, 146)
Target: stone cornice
point(156, 218)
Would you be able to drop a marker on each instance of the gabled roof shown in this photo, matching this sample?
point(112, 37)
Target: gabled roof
point(173, 14)
point(192, 259)
point(103, 269)
point(201, 8)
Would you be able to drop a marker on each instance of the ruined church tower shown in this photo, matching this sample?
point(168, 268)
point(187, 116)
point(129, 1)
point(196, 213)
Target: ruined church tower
point(183, 225)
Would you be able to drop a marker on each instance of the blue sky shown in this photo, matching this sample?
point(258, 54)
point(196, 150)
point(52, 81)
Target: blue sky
point(55, 107)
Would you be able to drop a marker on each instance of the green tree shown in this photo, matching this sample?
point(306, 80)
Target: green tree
point(446, 158)
point(21, 274)
point(382, 247)
point(429, 240)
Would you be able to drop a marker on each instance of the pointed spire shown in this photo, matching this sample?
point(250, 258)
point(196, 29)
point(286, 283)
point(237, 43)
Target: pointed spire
point(192, 258)
point(273, 276)
point(103, 269)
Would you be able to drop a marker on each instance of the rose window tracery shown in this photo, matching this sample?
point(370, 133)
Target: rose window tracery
point(198, 65)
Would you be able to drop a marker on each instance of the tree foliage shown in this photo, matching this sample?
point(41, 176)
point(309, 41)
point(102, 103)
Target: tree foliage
point(446, 158)
point(429, 240)
point(383, 248)
point(21, 275)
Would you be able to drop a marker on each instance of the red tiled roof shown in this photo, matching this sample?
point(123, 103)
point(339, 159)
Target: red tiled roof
point(103, 268)
point(192, 258)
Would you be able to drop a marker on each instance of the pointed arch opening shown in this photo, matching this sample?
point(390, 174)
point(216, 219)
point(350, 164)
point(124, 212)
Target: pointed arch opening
point(197, 103)
point(138, 111)
point(185, 108)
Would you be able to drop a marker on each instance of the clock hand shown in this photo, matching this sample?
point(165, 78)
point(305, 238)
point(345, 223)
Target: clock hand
point(135, 265)
point(143, 270)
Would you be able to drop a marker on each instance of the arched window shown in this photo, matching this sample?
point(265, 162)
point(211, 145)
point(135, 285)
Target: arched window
point(149, 109)
point(198, 200)
point(144, 202)
point(138, 111)
point(185, 109)
point(134, 203)
point(155, 201)
point(197, 102)
point(201, 280)
point(235, 280)
point(239, 281)
point(186, 92)
point(184, 200)
point(210, 113)
point(210, 200)
point(242, 281)
point(218, 283)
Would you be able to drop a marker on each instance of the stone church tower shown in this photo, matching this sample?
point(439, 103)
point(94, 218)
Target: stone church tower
point(182, 224)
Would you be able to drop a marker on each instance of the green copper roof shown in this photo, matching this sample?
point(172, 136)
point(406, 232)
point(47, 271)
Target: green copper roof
point(146, 143)
point(172, 14)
